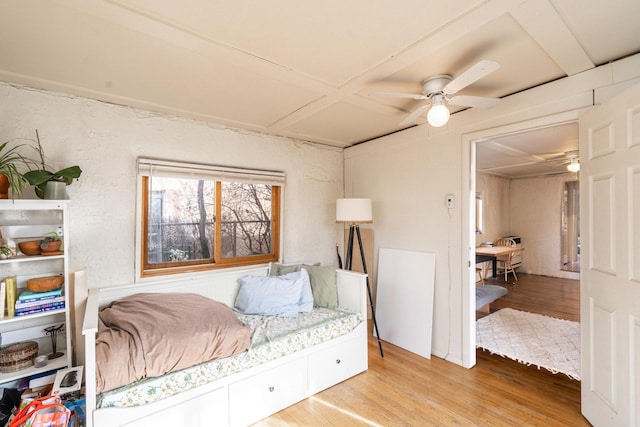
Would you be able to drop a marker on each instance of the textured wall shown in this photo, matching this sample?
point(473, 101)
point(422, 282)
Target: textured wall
point(536, 211)
point(105, 141)
point(529, 208)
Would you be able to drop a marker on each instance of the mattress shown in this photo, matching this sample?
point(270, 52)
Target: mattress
point(271, 338)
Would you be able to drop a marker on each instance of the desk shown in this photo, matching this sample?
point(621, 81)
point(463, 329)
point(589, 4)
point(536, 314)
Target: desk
point(490, 253)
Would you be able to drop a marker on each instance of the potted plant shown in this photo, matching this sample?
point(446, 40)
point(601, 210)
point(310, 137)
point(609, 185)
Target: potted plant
point(7, 248)
point(51, 242)
point(10, 163)
point(41, 178)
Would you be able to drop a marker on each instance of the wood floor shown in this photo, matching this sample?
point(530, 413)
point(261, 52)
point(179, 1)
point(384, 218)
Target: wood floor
point(403, 389)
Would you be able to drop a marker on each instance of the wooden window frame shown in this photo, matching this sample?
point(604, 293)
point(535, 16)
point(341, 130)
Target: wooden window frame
point(215, 262)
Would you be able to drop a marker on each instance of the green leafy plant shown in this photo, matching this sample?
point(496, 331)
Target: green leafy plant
point(10, 162)
point(38, 178)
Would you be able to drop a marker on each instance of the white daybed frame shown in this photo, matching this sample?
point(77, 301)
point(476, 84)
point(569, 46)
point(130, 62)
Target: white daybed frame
point(245, 397)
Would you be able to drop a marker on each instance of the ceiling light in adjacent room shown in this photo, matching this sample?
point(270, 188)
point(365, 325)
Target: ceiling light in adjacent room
point(574, 165)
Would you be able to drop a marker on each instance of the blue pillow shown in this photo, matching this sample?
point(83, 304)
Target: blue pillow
point(305, 303)
point(269, 295)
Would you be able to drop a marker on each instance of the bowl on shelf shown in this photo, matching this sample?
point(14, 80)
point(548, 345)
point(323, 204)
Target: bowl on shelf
point(40, 361)
point(30, 247)
point(45, 284)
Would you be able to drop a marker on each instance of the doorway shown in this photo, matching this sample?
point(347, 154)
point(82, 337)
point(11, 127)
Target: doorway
point(551, 161)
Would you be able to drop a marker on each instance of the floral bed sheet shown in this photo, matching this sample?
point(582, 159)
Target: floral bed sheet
point(271, 338)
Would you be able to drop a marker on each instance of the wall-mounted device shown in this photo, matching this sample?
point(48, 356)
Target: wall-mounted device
point(450, 201)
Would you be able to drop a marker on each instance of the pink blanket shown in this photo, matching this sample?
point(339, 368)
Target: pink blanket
point(148, 335)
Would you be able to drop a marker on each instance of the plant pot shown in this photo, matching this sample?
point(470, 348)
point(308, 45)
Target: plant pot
point(55, 190)
point(51, 246)
point(4, 186)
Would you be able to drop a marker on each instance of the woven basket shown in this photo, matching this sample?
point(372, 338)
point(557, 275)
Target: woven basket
point(20, 355)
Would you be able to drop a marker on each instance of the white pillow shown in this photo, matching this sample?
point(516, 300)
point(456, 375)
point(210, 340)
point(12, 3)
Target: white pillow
point(269, 295)
point(306, 295)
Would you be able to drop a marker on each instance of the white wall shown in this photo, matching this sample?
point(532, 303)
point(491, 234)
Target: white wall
point(536, 212)
point(495, 204)
point(408, 174)
point(104, 140)
point(532, 209)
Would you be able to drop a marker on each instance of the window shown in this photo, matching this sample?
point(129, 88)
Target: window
point(200, 217)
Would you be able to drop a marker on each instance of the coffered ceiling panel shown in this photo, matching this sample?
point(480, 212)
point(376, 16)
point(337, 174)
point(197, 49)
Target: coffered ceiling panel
point(346, 121)
point(332, 41)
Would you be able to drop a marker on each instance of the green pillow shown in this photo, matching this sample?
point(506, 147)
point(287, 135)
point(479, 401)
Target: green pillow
point(323, 285)
point(281, 270)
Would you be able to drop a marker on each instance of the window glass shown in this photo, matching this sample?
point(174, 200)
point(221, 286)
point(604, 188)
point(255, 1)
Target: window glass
point(246, 219)
point(181, 220)
point(181, 231)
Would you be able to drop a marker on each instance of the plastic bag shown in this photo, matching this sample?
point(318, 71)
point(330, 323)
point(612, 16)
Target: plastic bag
point(46, 411)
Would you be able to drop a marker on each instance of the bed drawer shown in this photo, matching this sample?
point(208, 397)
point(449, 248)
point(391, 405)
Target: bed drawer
point(257, 397)
point(335, 364)
point(198, 410)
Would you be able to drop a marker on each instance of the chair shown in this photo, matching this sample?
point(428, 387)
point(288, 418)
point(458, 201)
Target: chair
point(506, 261)
point(481, 275)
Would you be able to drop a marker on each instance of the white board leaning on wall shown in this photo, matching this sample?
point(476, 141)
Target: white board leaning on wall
point(404, 303)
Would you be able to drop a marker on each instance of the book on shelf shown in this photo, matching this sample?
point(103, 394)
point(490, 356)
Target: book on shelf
point(41, 309)
point(11, 283)
point(42, 379)
point(38, 303)
point(27, 295)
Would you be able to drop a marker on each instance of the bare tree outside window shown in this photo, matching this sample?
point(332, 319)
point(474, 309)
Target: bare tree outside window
point(181, 220)
point(246, 219)
point(182, 227)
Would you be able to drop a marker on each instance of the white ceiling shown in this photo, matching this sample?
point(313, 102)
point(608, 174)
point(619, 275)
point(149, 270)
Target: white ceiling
point(302, 69)
point(540, 152)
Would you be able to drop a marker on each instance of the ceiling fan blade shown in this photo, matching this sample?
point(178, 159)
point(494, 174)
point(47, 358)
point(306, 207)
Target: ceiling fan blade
point(476, 72)
point(415, 114)
point(400, 95)
point(474, 101)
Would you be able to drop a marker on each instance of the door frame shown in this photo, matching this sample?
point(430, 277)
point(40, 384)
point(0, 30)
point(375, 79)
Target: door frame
point(469, 141)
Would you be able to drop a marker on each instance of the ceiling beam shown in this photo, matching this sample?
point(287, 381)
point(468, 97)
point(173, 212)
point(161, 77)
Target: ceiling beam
point(544, 24)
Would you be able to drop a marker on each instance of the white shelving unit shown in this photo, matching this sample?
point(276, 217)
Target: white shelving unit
point(22, 220)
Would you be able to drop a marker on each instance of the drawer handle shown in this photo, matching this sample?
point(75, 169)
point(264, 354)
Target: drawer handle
point(271, 389)
point(338, 361)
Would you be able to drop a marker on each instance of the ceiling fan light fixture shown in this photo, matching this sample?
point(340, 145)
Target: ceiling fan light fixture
point(574, 165)
point(438, 115)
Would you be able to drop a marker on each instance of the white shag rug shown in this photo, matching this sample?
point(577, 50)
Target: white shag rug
point(532, 339)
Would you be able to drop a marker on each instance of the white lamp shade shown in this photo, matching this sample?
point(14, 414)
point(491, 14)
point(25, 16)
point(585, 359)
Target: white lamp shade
point(354, 211)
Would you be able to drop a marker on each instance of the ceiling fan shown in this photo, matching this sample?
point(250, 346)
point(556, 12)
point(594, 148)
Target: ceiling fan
point(438, 88)
point(569, 158)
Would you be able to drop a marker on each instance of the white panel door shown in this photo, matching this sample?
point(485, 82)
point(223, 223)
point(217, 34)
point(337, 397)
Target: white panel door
point(610, 257)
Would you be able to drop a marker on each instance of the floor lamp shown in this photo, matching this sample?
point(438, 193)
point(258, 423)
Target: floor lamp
point(355, 212)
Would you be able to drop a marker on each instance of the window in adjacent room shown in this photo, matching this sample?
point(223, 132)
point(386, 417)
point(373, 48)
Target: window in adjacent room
point(198, 217)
